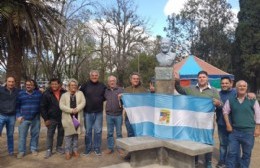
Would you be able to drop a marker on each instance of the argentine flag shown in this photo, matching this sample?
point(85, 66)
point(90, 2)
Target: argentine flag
point(176, 117)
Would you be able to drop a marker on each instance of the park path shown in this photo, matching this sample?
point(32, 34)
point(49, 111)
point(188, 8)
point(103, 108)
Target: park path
point(92, 161)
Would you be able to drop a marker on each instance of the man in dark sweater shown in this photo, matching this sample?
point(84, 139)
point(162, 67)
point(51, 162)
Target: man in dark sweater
point(93, 112)
point(51, 114)
point(244, 127)
point(8, 95)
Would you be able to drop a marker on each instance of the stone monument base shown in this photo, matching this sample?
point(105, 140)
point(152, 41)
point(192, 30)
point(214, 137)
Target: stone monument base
point(164, 80)
point(163, 86)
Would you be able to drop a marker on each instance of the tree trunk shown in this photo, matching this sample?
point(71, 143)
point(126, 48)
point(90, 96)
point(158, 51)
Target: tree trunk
point(120, 75)
point(14, 60)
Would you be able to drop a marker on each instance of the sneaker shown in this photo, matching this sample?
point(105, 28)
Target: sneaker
point(20, 155)
point(47, 154)
point(98, 152)
point(109, 151)
point(60, 150)
point(220, 165)
point(88, 152)
point(121, 152)
point(34, 153)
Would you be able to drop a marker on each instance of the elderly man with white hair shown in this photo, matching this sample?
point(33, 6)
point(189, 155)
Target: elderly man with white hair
point(244, 115)
point(114, 112)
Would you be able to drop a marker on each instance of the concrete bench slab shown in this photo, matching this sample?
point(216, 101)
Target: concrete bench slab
point(139, 143)
point(143, 150)
point(188, 147)
point(147, 150)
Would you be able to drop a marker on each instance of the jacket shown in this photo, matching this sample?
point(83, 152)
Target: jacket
point(137, 89)
point(8, 101)
point(67, 123)
point(113, 105)
point(50, 109)
point(94, 95)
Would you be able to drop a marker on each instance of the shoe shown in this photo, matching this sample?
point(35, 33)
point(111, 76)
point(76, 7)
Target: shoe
point(76, 154)
point(11, 154)
point(88, 152)
point(20, 155)
point(220, 165)
point(60, 150)
point(48, 154)
point(34, 153)
point(98, 152)
point(109, 151)
point(121, 152)
point(67, 156)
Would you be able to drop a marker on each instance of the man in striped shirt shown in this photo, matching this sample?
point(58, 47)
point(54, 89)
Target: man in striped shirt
point(28, 116)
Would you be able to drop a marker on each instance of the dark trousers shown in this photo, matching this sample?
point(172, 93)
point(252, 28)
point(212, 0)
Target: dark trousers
point(50, 134)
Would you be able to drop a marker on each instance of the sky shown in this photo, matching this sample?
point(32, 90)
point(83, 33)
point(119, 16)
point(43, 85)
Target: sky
point(158, 10)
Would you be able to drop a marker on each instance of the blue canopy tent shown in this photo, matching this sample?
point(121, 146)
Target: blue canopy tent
point(189, 67)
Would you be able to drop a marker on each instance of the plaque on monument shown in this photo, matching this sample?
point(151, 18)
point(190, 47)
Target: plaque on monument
point(163, 73)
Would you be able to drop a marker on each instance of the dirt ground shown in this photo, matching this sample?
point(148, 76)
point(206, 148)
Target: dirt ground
point(92, 161)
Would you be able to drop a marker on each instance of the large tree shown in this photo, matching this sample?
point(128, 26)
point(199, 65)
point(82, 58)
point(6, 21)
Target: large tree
point(125, 34)
point(204, 27)
point(247, 45)
point(24, 24)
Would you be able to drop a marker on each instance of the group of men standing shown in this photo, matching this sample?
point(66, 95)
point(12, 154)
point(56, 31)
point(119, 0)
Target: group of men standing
point(238, 117)
point(26, 106)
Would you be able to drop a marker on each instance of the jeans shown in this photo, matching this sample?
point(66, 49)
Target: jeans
point(34, 126)
point(223, 141)
point(129, 128)
point(246, 141)
point(93, 121)
point(9, 122)
point(50, 134)
point(113, 121)
point(71, 143)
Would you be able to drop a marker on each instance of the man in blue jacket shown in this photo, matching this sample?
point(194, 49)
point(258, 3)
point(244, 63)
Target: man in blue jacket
point(28, 116)
point(8, 95)
point(226, 93)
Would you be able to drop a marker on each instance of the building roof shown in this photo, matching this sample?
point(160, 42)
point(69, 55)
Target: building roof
point(189, 67)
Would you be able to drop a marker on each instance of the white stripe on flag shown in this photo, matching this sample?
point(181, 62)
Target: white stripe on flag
point(184, 118)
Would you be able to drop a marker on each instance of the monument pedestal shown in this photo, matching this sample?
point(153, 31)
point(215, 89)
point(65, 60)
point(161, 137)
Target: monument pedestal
point(164, 80)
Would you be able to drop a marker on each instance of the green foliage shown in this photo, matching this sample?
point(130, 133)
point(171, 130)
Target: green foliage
point(202, 29)
point(247, 44)
point(25, 24)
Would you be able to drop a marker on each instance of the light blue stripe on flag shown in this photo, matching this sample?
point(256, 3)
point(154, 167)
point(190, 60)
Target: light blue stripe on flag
point(171, 117)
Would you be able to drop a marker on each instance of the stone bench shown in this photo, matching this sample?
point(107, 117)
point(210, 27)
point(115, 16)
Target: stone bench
point(147, 150)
